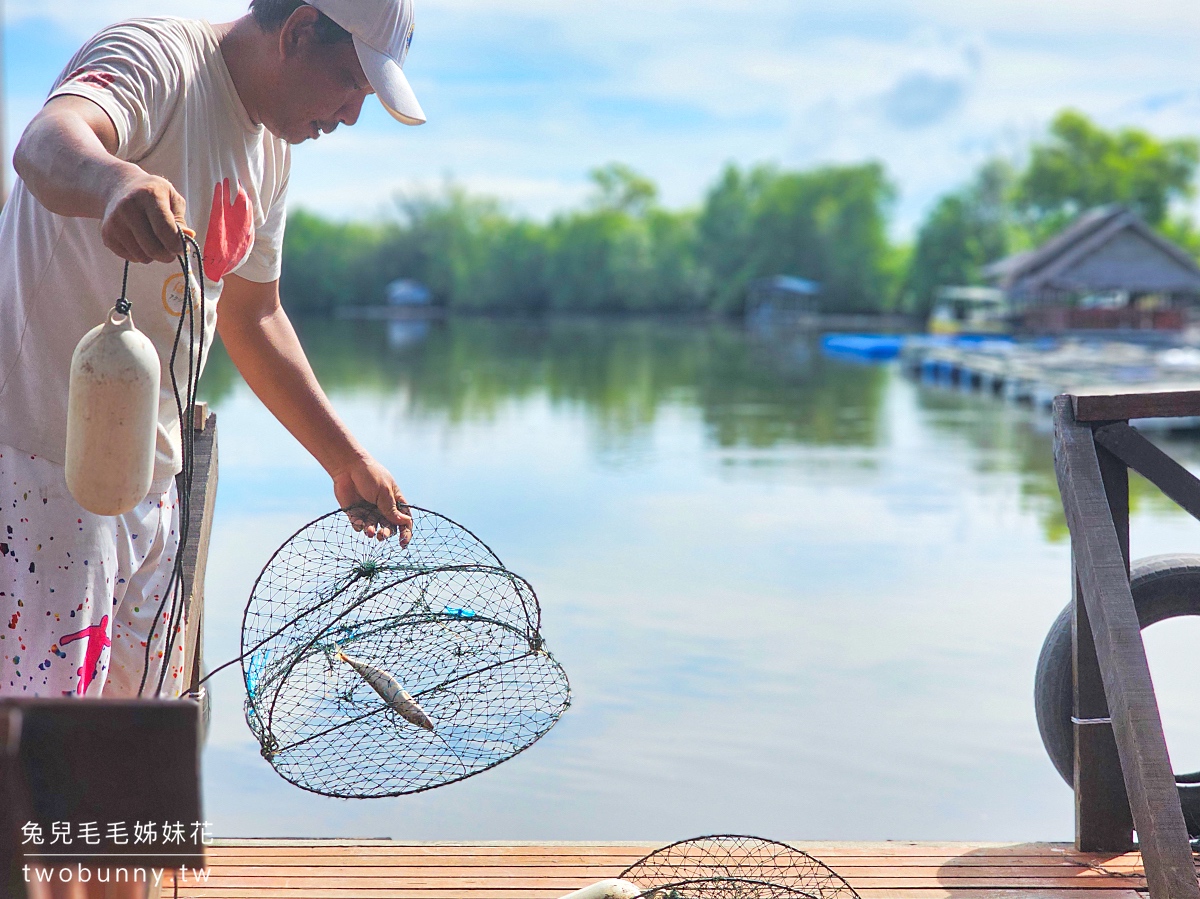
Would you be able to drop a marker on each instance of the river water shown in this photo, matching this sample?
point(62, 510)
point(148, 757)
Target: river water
point(797, 597)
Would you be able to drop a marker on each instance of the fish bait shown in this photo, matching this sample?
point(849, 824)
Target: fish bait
point(390, 691)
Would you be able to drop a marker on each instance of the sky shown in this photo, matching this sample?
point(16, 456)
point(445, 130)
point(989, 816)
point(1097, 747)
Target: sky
point(525, 97)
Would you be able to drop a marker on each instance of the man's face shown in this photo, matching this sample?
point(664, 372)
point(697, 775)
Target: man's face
point(321, 86)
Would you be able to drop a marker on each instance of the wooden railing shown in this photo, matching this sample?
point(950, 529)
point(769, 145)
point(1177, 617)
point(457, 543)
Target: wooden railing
point(1123, 777)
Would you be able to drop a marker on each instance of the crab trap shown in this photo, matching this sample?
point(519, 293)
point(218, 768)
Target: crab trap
point(734, 867)
point(374, 668)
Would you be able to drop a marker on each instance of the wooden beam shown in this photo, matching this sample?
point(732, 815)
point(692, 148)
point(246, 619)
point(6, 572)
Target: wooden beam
point(1124, 406)
point(1134, 450)
point(195, 551)
point(1137, 726)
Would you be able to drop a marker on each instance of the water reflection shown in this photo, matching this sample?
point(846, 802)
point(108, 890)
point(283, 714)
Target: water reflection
point(807, 603)
point(1018, 439)
point(751, 392)
point(402, 333)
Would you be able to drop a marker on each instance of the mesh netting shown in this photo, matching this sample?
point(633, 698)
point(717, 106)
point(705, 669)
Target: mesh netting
point(734, 867)
point(374, 669)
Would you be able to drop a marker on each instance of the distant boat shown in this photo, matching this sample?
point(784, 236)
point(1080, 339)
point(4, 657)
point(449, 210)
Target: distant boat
point(866, 347)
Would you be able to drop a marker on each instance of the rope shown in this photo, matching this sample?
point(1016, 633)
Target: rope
point(184, 402)
point(123, 304)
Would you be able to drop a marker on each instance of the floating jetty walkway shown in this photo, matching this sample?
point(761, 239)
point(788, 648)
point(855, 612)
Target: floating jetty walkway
point(1033, 371)
point(1036, 373)
point(383, 869)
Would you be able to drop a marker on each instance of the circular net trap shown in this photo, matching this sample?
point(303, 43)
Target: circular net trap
point(734, 867)
point(375, 669)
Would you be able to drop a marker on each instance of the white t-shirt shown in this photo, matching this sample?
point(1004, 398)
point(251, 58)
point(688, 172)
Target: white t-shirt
point(164, 84)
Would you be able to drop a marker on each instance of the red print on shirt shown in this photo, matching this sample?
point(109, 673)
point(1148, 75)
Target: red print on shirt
point(230, 231)
point(99, 79)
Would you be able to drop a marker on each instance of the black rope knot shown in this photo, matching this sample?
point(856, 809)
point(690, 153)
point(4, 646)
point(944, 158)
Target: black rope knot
point(123, 305)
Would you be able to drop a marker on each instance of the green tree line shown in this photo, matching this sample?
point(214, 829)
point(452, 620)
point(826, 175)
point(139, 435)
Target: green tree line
point(624, 252)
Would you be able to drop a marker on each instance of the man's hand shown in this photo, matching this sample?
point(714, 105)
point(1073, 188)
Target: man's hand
point(66, 159)
point(142, 218)
point(375, 504)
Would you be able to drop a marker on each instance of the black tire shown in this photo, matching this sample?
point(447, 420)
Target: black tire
point(1163, 587)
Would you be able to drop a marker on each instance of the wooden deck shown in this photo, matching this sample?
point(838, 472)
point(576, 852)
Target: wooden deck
point(382, 869)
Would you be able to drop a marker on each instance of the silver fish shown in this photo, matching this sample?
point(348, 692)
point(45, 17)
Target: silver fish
point(390, 691)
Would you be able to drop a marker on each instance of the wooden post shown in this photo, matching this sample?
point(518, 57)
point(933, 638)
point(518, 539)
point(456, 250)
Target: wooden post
point(1103, 574)
point(1103, 821)
point(195, 551)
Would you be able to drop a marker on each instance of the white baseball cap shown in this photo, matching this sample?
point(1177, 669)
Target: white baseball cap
point(382, 31)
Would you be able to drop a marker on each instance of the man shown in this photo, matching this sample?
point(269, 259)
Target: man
point(154, 123)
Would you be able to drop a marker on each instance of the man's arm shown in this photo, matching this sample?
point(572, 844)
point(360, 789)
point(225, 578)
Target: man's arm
point(264, 347)
point(65, 157)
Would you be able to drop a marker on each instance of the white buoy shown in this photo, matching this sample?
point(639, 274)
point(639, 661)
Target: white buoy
point(112, 417)
point(607, 889)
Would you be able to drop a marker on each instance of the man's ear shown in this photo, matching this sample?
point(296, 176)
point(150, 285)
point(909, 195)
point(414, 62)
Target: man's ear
point(299, 31)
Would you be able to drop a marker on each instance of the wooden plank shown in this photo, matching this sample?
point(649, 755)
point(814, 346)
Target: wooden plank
point(901, 848)
point(1103, 820)
point(311, 869)
point(1124, 406)
point(195, 550)
point(925, 872)
point(308, 868)
point(1134, 450)
point(566, 884)
point(187, 891)
point(468, 862)
point(471, 853)
point(190, 890)
point(1053, 854)
point(1104, 580)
